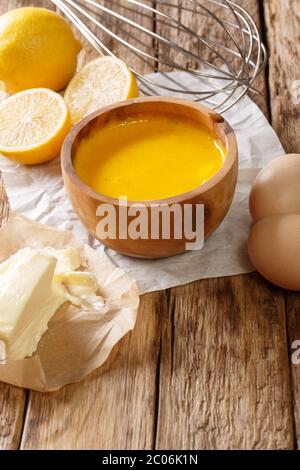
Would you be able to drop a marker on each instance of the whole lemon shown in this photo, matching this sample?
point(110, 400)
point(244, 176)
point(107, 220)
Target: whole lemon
point(37, 49)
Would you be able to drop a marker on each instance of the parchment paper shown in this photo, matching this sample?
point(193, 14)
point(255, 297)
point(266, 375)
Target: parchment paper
point(77, 341)
point(38, 192)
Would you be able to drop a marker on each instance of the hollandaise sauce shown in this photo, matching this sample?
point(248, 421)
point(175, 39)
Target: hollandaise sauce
point(148, 157)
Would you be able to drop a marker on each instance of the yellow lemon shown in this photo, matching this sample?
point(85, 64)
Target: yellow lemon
point(103, 81)
point(33, 125)
point(37, 49)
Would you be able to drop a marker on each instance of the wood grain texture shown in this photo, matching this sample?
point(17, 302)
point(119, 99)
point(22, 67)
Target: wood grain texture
point(12, 403)
point(207, 365)
point(224, 372)
point(293, 327)
point(88, 53)
point(12, 399)
point(224, 363)
point(207, 28)
point(283, 32)
point(115, 407)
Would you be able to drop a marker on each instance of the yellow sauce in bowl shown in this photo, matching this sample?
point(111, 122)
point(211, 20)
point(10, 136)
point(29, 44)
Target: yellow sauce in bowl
point(148, 156)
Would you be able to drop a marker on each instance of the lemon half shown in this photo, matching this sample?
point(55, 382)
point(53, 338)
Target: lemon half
point(33, 125)
point(102, 82)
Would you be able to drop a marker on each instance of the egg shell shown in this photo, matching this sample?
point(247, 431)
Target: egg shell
point(276, 189)
point(274, 249)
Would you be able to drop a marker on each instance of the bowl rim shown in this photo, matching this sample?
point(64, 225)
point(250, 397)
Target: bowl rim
point(219, 121)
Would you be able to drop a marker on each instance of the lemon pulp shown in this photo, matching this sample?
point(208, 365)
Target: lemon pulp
point(33, 125)
point(148, 157)
point(101, 82)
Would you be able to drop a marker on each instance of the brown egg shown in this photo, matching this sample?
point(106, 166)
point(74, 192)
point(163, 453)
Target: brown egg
point(274, 249)
point(276, 189)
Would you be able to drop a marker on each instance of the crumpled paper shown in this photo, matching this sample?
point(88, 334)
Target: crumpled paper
point(38, 192)
point(77, 341)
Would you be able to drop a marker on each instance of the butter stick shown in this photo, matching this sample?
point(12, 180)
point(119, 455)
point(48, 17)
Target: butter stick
point(27, 301)
point(34, 283)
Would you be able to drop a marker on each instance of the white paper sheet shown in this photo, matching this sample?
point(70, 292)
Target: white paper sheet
point(77, 341)
point(38, 193)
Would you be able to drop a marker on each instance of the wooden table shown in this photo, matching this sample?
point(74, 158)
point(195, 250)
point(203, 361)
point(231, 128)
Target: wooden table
point(208, 365)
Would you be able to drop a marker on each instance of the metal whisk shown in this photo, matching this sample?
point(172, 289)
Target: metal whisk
point(177, 35)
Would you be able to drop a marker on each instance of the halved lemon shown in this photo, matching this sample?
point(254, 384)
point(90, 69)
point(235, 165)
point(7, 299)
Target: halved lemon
point(103, 81)
point(33, 125)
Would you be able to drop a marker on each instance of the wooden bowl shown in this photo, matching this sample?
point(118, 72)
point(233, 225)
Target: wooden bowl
point(216, 194)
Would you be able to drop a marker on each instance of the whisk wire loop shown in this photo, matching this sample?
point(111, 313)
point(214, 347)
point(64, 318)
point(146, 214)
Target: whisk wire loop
point(219, 49)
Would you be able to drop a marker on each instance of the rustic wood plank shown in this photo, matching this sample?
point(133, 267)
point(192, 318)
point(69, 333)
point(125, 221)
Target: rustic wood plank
point(224, 377)
point(114, 408)
point(283, 23)
point(88, 53)
point(293, 327)
point(12, 399)
point(87, 407)
point(12, 403)
point(167, 54)
point(283, 26)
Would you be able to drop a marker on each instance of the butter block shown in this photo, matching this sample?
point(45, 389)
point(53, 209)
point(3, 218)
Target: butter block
point(28, 300)
point(81, 289)
point(68, 259)
point(34, 283)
